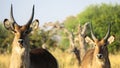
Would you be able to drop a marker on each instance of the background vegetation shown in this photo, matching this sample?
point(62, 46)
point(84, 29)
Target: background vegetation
point(99, 15)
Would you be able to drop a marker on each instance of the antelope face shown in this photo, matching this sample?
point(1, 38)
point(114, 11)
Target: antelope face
point(20, 32)
point(100, 49)
point(100, 46)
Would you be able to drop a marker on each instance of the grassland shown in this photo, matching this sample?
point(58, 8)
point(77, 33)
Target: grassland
point(65, 59)
point(115, 60)
point(4, 60)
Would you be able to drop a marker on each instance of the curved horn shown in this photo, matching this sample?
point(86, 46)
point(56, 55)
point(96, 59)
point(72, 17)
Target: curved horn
point(31, 18)
point(108, 32)
point(11, 14)
point(92, 34)
point(12, 18)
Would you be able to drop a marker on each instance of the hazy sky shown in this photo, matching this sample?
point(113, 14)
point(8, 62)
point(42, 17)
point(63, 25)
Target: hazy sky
point(46, 10)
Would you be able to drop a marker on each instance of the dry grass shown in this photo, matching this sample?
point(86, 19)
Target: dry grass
point(68, 60)
point(65, 60)
point(4, 61)
point(115, 60)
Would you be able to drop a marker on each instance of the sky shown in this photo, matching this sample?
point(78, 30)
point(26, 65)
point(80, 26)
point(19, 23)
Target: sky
point(46, 10)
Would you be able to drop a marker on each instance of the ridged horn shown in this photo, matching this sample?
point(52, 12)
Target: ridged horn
point(31, 18)
point(108, 32)
point(92, 34)
point(11, 14)
point(12, 18)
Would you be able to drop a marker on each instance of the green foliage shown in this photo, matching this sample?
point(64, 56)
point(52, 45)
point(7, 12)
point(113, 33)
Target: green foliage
point(64, 43)
point(71, 22)
point(35, 39)
point(5, 39)
point(39, 37)
point(100, 16)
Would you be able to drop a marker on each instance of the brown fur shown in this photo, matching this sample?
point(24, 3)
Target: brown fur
point(41, 58)
point(36, 58)
point(98, 56)
point(21, 56)
point(90, 61)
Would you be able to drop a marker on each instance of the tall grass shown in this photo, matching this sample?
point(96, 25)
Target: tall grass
point(4, 60)
point(115, 60)
point(65, 59)
point(68, 60)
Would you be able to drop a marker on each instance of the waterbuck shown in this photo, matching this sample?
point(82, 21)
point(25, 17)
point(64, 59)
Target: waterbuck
point(98, 56)
point(22, 56)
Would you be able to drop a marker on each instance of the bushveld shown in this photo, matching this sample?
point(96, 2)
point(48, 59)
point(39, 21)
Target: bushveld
point(65, 59)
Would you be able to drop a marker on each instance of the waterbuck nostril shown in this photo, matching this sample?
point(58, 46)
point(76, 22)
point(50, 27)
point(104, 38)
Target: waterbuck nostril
point(20, 41)
point(100, 56)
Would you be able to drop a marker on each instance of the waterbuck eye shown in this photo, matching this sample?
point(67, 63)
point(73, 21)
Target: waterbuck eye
point(26, 31)
point(102, 47)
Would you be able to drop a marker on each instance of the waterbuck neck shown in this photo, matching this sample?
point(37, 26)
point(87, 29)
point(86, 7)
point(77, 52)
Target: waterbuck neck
point(20, 54)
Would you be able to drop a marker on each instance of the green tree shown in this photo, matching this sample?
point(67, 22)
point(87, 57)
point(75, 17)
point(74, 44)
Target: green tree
point(6, 38)
point(100, 16)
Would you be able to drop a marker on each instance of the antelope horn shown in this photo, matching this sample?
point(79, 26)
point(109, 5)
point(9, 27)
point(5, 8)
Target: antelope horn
point(12, 18)
point(31, 18)
point(11, 15)
point(108, 32)
point(92, 34)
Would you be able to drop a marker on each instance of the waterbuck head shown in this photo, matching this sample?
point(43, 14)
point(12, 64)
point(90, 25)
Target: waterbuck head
point(100, 49)
point(20, 32)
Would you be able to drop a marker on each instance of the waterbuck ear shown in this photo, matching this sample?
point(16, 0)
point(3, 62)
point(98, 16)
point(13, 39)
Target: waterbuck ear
point(111, 39)
point(89, 41)
point(34, 25)
point(8, 25)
